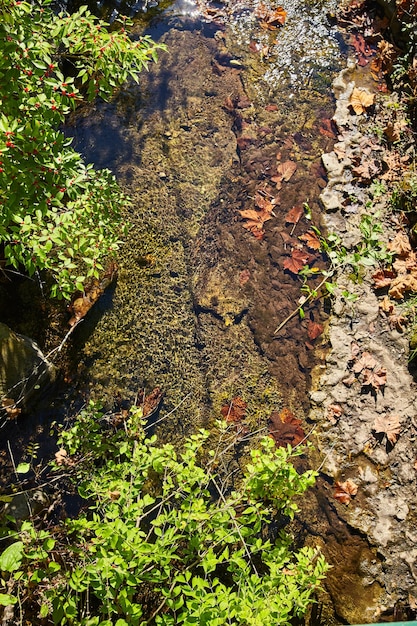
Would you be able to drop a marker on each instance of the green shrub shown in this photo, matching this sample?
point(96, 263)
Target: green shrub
point(57, 213)
point(166, 539)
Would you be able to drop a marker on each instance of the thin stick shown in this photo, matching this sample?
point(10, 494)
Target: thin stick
point(298, 309)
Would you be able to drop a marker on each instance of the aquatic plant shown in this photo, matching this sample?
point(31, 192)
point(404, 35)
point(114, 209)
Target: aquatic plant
point(168, 538)
point(57, 213)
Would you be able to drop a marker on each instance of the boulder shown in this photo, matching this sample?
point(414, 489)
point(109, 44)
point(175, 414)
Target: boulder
point(24, 371)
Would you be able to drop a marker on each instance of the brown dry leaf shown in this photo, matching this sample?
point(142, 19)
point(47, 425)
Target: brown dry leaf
point(263, 203)
point(400, 245)
point(286, 169)
point(296, 261)
point(270, 19)
point(374, 378)
point(367, 169)
point(386, 305)
point(354, 349)
point(401, 285)
point(345, 491)
point(389, 426)
point(366, 361)
point(350, 380)
point(398, 322)
point(383, 278)
point(285, 428)
point(62, 458)
point(294, 215)
point(235, 411)
point(12, 410)
point(393, 130)
point(360, 100)
point(311, 240)
point(334, 411)
point(314, 330)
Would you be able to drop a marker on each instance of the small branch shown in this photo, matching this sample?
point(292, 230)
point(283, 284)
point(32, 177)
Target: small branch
point(298, 309)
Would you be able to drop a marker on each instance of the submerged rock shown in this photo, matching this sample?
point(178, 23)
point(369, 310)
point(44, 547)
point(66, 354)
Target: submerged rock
point(24, 371)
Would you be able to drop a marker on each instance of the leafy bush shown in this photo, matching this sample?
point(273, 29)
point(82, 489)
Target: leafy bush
point(166, 539)
point(57, 213)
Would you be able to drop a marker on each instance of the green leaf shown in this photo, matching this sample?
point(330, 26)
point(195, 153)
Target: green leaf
point(6, 599)
point(23, 468)
point(12, 557)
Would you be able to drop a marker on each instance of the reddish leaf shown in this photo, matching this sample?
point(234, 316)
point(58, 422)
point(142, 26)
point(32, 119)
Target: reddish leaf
point(375, 378)
point(311, 240)
point(314, 330)
point(344, 491)
point(296, 261)
point(271, 107)
point(383, 278)
point(285, 428)
point(235, 411)
point(294, 215)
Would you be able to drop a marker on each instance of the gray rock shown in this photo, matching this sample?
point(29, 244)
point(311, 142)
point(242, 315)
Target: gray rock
point(24, 371)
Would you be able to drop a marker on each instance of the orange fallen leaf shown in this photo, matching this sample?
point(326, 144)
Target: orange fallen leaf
point(366, 361)
point(296, 261)
point(294, 215)
point(270, 19)
point(345, 491)
point(360, 100)
point(400, 245)
point(311, 240)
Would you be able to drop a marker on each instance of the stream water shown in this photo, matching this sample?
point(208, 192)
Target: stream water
point(198, 297)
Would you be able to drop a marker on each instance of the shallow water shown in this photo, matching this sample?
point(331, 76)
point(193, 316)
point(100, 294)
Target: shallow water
point(198, 297)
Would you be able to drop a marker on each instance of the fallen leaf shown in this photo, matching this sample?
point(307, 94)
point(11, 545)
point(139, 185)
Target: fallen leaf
point(374, 378)
point(345, 491)
point(386, 305)
point(311, 240)
point(62, 458)
point(366, 361)
point(294, 215)
point(402, 285)
point(349, 380)
point(151, 402)
point(286, 169)
point(12, 410)
point(235, 411)
point(285, 428)
point(389, 426)
point(400, 245)
point(334, 411)
point(383, 278)
point(328, 128)
point(314, 330)
point(296, 261)
point(360, 100)
point(270, 19)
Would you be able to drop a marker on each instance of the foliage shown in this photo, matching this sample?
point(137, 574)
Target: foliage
point(167, 540)
point(57, 213)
